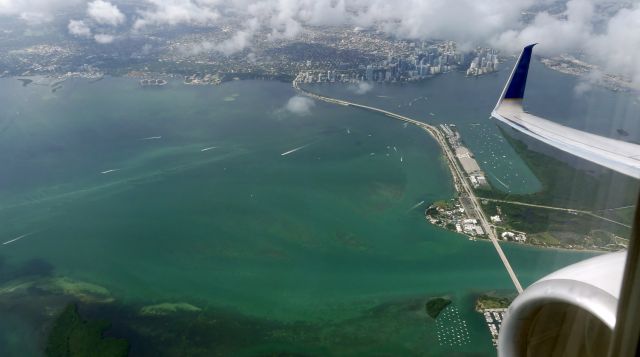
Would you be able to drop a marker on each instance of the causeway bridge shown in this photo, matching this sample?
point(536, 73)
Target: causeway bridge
point(461, 184)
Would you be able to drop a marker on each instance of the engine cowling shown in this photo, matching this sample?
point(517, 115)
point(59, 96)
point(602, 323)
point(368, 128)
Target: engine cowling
point(571, 312)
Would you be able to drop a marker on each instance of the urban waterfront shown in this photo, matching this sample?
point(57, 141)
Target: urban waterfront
point(183, 195)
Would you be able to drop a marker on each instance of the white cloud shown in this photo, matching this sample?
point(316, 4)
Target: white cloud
point(582, 87)
point(104, 39)
point(589, 81)
point(105, 13)
point(615, 46)
point(468, 21)
point(300, 105)
point(177, 12)
point(606, 32)
point(34, 12)
point(479, 21)
point(556, 33)
point(236, 43)
point(35, 18)
point(361, 88)
point(619, 45)
point(79, 28)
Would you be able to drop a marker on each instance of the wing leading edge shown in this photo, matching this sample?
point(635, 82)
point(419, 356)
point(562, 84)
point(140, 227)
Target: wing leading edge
point(614, 154)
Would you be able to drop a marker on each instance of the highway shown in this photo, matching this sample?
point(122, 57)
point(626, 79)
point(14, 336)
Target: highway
point(461, 184)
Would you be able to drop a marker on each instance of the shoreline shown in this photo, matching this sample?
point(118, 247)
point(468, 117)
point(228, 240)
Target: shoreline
point(541, 247)
point(536, 246)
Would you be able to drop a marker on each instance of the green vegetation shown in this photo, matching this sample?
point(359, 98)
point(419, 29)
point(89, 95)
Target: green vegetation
point(493, 301)
point(441, 204)
point(538, 220)
point(544, 238)
point(566, 186)
point(624, 215)
point(435, 306)
point(71, 336)
point(557, 228)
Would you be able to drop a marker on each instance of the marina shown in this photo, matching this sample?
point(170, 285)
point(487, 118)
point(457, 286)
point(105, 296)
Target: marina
point(494, 318)
point(451, 328)
point(465, 157)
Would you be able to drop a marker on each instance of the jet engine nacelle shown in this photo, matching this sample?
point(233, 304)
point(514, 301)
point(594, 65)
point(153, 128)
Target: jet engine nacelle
point(571, 312)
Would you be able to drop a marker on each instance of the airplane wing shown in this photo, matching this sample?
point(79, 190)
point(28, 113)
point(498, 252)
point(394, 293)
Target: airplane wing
point(573, 311)
point(614, 154)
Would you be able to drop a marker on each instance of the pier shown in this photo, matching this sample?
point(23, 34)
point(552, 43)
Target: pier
point(461, 184)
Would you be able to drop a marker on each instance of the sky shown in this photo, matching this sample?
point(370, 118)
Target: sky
point(606, 32)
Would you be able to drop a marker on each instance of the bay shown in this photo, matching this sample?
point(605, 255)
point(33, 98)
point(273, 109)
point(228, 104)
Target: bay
point(112, 186)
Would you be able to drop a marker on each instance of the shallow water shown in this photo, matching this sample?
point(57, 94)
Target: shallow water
point(324, 236)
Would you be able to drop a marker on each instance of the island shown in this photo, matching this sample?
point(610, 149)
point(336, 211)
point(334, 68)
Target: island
point(493, 307)
point(435, 306)
point(490, 301)
point(73, 336)
point(536, 219)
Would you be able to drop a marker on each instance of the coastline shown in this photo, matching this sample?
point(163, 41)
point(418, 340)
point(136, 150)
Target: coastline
point(528, 245)
point(541, 247)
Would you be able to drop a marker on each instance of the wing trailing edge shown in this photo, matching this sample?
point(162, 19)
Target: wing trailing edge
point(620, 156)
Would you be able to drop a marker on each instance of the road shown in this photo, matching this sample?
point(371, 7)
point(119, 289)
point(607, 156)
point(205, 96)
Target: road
point(461, 184)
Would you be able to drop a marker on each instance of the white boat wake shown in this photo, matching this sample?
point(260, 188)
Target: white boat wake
point(17, 238)
point(294, 150)
point(502, 183)
point(416, 205)
point(209, 148)
point(109, 171)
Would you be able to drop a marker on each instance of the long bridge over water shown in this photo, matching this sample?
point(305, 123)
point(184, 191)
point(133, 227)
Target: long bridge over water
point(461, 184)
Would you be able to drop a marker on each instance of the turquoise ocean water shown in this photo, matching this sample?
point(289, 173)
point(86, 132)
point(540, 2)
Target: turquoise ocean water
point(182, 194)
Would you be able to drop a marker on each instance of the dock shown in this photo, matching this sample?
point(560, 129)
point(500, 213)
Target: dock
point(494, 318)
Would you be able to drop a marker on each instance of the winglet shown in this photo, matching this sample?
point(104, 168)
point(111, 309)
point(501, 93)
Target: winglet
point(518, 79)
